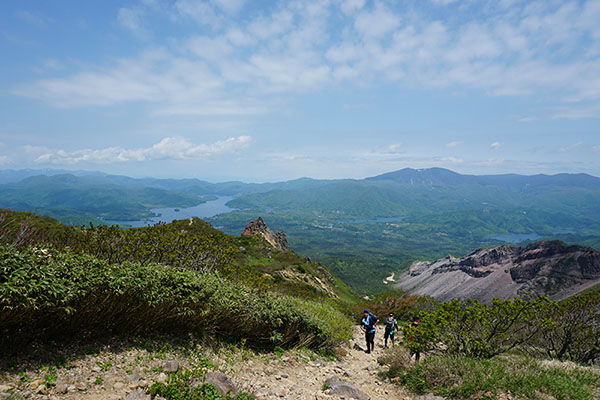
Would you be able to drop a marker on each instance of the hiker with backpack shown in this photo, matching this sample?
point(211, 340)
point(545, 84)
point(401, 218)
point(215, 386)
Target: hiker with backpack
point(367, 325)
point(391, 326)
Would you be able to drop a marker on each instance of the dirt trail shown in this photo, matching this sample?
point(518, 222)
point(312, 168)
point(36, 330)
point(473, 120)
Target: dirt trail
point(288, 378)
point(294, 374)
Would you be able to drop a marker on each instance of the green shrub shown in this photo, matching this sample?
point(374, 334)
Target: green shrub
point(48, 292)
point(460, 377)
point(477, 330)
point(575, 332)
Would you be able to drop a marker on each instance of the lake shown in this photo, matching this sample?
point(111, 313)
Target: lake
point(377, 219)
point(514, 237)
point(204, 210)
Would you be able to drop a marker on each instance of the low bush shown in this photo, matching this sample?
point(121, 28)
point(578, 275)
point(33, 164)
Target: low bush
point(44, 293)
point(569, 330)
point(460, 377)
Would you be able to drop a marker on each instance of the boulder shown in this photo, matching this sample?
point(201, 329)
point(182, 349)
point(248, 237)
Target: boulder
point(137, 394)
point(339, 387)
point(171, 366)
point(221, 382)
point(429, 396)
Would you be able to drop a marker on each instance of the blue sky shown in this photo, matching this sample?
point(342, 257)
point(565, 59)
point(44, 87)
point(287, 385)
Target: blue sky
point(264, 91)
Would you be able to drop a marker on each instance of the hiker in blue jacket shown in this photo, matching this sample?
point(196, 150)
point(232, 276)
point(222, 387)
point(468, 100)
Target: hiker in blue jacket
point(367, 324)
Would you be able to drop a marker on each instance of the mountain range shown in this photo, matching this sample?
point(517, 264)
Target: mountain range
point(362, 228)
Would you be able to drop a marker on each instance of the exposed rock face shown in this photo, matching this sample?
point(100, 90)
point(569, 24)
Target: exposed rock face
point(548, 268)
point(275, 239)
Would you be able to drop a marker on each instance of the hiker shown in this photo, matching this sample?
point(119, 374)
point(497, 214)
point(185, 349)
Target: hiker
point(367, 324)
point(391, 326)
point(414, 325)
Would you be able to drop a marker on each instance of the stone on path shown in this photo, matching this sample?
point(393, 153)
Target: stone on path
point(171, 366)
point(138, 394)
point(341, 388)
point(429, 396)
point(221, 382)
point(359, 347)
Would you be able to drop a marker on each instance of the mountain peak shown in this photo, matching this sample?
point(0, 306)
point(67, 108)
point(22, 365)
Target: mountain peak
point(276, 239)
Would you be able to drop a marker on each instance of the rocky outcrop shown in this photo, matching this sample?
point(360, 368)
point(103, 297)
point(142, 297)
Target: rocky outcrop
point(275, 239)
point(548, 268)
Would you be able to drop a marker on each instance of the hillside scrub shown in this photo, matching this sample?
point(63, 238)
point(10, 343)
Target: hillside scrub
point(45, 293)
point(460, 377)
point(569, 330)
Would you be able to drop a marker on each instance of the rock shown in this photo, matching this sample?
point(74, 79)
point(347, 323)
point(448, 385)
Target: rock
point(276, 239)
point(429, 396)
point(395, 379)
point(171, 366)
point(138, 394)
point(544, 268)
point(5, 388)
point(221, 382)
point(72, 388)
point(61, 388)
point(133, 377)
point(359, 347)
point(284, 376)
point(41, 389)
point(96, 369)
point(162, 378)
point(341, 388)
point(118, 385)
point(81, 386)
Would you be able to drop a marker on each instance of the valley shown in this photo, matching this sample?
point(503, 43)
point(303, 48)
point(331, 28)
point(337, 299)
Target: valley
point(362, 229)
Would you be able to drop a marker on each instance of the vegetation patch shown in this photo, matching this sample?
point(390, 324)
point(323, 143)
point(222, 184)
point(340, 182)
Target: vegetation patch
point(47, 293)
point(460, 377)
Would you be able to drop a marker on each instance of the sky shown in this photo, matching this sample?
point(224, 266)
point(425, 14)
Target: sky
point(276, 90)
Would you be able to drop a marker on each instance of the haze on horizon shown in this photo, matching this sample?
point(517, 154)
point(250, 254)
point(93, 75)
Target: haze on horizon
point(265, 91)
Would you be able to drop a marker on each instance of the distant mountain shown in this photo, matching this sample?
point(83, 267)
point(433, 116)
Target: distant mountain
point(441, 176)
point(64, 195)
point(544, 268)
point(363, 228)
point(12, 176)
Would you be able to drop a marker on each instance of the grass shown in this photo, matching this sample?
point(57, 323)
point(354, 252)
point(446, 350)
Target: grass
point(459, 377)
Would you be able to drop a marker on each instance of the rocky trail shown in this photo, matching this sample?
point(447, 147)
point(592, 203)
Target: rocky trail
point(116, 373)
point(287, 378)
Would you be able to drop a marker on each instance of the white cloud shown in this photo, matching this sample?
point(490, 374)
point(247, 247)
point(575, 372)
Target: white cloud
point(300, 46)
point(496, 145)
point(132, 19)
point(378, 22)
point(33, 18)
point(230, 5)
point(168, 148)
point(198, 10)
point(454, 144)
point(596, 149)
point(442, 2)
point(571, 147)
point(350, 6)
point(453, 160)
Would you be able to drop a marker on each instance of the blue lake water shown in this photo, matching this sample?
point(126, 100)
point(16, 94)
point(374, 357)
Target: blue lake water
point(378, 219)
point(515, 238)
point(518, 238)
point(204, 210)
